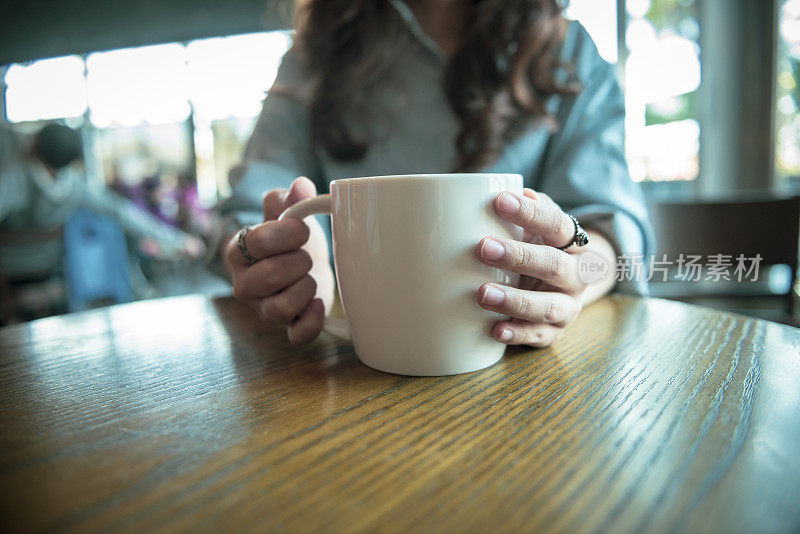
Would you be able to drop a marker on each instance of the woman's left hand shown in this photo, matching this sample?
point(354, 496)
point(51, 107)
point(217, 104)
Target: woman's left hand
point(550, 293)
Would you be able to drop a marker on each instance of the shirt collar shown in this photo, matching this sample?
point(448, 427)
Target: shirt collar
point(416, 29)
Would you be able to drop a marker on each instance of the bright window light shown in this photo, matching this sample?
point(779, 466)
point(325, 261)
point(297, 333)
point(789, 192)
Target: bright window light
point(637, 8)
point(663, 152)
point(46, 89)
point(787, 116)
point(229, 76)
point(138, 85)
point(662, 75)
point(663, 67)
point(599, 17)
point(790, 26)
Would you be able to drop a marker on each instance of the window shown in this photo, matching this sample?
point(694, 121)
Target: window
point(48, 89)
point(662, 75)
point(229, 77)
point(787, 118)
point(599, 17)
point(134, 86)
point(661, 78)
point(140, 101)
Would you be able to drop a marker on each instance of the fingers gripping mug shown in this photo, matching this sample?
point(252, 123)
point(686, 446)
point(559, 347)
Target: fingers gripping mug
point(404, 251)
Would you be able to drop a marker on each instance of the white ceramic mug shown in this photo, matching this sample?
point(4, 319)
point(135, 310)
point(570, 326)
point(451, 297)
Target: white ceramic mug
point(404, 251)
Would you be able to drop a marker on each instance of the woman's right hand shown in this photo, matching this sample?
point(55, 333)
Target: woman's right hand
point(291, 283)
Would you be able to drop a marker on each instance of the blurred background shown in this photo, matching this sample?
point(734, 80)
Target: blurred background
point(165, 94)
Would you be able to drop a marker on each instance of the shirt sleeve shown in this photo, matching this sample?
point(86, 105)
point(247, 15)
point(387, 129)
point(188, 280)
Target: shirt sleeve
point(584, 168)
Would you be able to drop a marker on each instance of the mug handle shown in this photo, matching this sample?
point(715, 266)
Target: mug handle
point(320, 204)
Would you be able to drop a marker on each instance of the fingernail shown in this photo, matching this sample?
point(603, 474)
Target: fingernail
point(492, 249)
point(506, 334)
point(507, 204)
point(493, 296)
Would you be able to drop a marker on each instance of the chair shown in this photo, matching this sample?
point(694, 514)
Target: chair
point(96, 261)
point(39, 294)
point(766, 226)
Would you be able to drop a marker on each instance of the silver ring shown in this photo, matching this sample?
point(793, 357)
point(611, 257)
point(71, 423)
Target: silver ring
point(240, 235)
point(579, 239)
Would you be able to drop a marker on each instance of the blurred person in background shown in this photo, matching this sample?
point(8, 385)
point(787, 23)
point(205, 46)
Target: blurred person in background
point(41, 188)
point(384, 87)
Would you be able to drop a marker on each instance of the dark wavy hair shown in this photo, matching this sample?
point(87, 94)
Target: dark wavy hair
point(57, 145)
point(497, 82)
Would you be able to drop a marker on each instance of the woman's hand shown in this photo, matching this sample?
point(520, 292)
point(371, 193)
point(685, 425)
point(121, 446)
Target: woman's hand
point(551, 294)
point(291, 283)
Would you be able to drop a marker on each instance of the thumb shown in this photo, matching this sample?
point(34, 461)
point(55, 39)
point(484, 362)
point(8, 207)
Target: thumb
point(276, 201)
point(301, 189)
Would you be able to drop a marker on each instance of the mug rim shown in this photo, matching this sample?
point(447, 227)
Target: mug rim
point(430, 177)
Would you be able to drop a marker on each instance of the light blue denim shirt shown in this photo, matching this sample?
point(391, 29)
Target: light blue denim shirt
point(581, 165)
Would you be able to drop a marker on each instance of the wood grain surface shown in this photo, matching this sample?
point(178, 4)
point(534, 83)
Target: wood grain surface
point(187, 414)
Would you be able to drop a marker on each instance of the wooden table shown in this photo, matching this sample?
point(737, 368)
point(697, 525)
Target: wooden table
point(188, 414)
